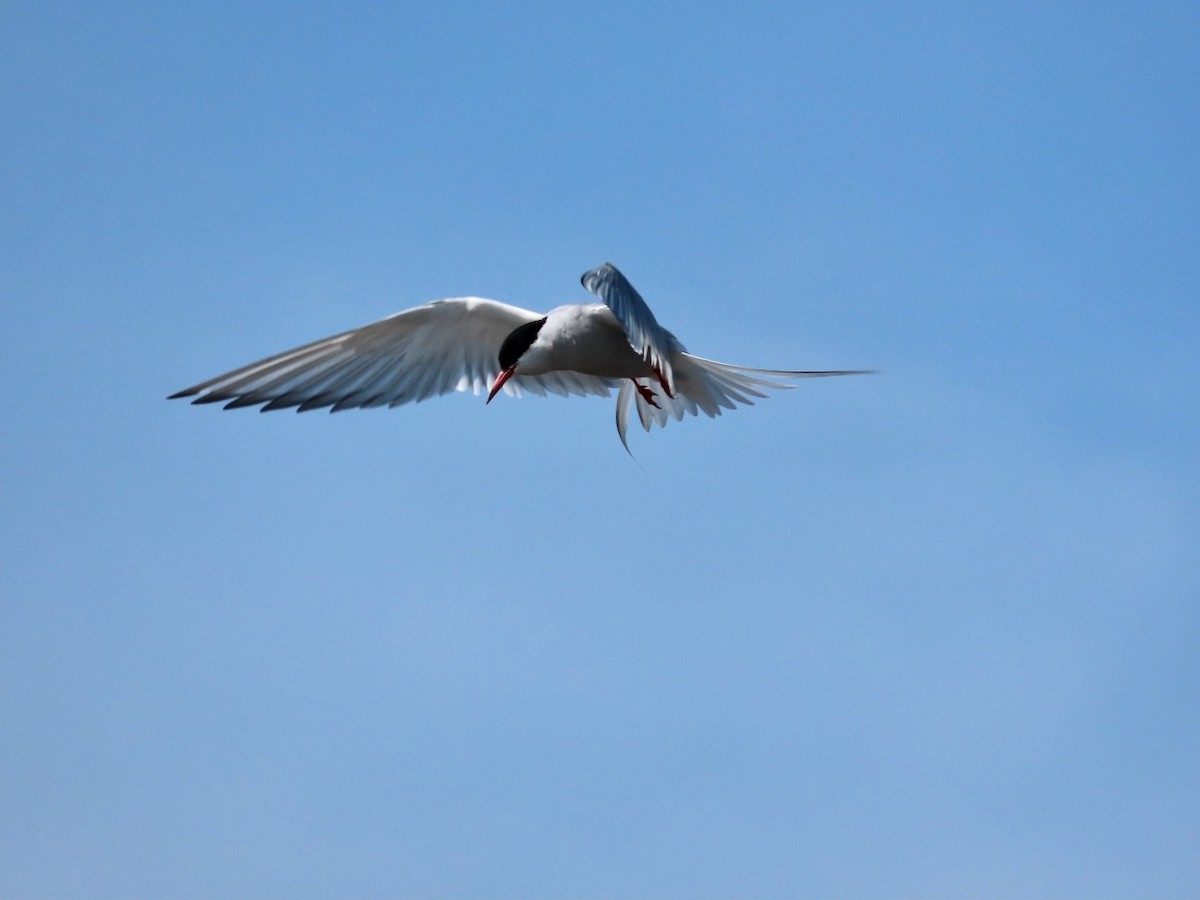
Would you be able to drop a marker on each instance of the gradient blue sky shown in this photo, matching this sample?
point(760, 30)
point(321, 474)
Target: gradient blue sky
point(930, 633)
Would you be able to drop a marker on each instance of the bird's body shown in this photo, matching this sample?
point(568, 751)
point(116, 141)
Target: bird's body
point(468, 343)
point(584, 338)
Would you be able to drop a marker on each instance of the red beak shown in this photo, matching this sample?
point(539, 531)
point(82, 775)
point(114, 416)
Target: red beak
point(499, 382)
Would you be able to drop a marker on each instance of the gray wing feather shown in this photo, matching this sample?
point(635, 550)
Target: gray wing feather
point(655, 344)
point(427, 351)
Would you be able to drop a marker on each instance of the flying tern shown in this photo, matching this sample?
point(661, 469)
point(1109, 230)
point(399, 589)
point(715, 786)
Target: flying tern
point(469, 343)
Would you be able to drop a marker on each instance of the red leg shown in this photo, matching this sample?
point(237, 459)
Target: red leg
point(646, 393)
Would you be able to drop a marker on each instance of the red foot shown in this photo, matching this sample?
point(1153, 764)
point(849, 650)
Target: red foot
point(647, 394)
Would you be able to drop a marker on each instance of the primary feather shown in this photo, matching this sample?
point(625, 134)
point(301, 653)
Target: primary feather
point(427, 351)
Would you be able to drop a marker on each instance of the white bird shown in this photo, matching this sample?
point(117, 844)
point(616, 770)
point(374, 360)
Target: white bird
point(469, 342)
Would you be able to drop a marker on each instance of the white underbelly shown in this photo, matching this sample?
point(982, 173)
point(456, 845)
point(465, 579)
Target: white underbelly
point(590, 340)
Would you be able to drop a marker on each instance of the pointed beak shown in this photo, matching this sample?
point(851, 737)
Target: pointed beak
point(499, 382)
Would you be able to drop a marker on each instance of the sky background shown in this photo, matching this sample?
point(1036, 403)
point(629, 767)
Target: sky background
point(928, 633)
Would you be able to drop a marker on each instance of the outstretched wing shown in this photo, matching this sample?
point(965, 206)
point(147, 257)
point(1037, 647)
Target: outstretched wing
point(655, 344)
point(705, 386)
point(427, 351)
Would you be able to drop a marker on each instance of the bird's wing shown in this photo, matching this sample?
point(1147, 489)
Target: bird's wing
point(655, 344)
point(444, 346)
point(705, 386)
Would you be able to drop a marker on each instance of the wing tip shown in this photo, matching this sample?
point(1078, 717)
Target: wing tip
point(210, 398)
point(591, 276)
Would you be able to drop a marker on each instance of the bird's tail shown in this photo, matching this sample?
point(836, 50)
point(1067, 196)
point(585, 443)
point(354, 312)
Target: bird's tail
point(704, 386)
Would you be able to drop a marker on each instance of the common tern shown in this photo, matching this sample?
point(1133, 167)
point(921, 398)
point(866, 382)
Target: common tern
point(469, 343)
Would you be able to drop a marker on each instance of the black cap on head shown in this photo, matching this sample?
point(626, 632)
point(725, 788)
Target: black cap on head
point(518, 341)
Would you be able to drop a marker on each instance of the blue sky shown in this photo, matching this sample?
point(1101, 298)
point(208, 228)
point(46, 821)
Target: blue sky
point(929, 633)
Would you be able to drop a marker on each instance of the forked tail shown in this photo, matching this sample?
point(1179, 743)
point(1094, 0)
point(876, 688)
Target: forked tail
point(704, 386)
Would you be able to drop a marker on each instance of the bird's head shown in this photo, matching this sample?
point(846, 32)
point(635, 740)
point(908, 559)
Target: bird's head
point(518, 341)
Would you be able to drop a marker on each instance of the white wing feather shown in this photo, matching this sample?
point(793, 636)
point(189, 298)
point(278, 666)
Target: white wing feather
point(427, 351)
